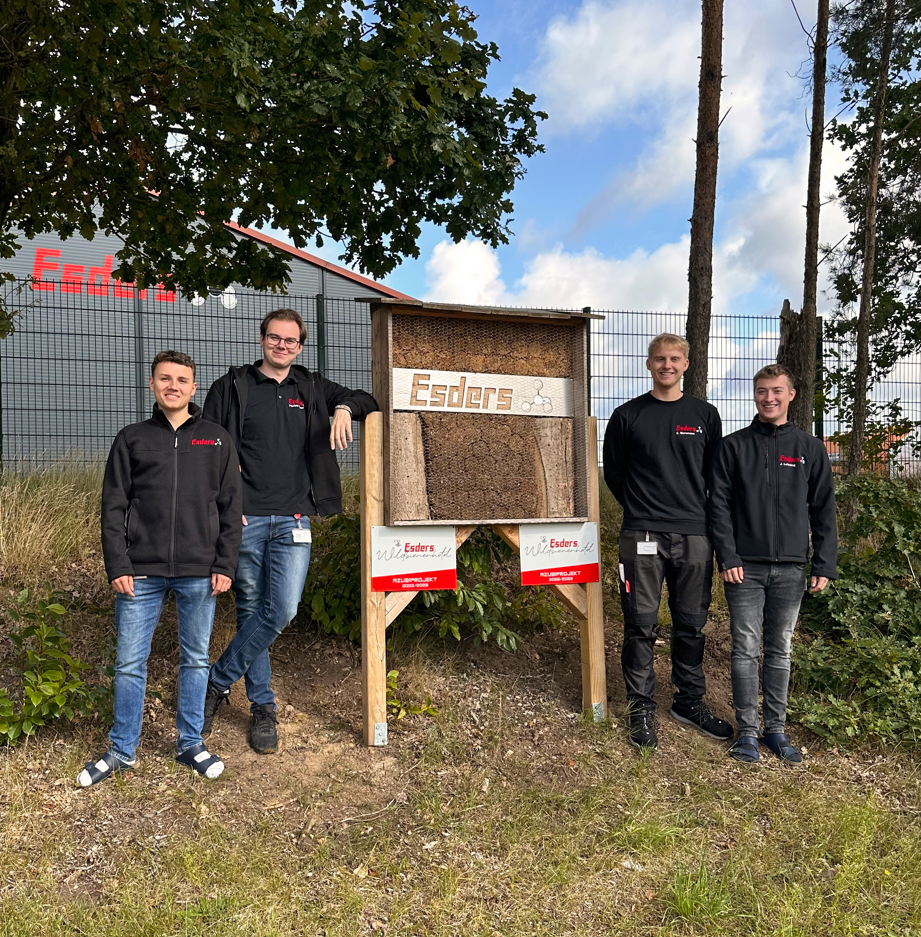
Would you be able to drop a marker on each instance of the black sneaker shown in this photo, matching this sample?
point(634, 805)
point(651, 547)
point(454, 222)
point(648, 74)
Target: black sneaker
point(214, 696)
point(697, 716)
point(263, 736)
point(642, 734)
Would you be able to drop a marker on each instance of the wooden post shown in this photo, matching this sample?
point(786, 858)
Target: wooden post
point(591, 628)
point(373, 604)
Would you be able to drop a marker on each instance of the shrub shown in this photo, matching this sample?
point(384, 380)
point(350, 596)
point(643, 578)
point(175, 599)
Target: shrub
point(860, 688)
point(858, 663)
point(50, 686)
point(487, 604)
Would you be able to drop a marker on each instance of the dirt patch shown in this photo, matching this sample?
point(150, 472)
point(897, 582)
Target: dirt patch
point(324, 782)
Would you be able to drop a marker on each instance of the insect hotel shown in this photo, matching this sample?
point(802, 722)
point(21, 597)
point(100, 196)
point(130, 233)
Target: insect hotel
point(484, 421)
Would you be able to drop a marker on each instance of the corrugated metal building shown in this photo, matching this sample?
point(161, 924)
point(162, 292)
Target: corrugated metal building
point(75, 370)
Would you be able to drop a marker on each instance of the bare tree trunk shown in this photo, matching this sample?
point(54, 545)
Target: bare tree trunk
point(700, 265)
point(862, 370)
point(798, 351)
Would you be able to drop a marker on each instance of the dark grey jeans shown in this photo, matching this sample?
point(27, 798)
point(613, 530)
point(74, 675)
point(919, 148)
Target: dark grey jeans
point(766, 603)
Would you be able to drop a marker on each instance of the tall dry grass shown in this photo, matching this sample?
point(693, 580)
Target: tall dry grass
point(49, 520)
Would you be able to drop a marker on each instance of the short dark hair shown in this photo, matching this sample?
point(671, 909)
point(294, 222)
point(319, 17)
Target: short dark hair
point(284, 315)
point(774, 370)
point(172, 357)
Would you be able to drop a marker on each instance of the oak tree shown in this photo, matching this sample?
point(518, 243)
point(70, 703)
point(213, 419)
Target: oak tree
point(159, 120)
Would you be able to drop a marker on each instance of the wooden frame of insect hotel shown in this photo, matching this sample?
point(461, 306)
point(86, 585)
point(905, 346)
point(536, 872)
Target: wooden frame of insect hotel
point(484, 421)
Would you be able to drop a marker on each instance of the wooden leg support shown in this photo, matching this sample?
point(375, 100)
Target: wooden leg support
point(594, 677)
point(373, 604)
point(378, 609)
point(585, 602)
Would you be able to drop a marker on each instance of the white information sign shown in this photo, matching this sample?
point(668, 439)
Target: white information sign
point(468, 392)
point(558, 553)
point(404, 558)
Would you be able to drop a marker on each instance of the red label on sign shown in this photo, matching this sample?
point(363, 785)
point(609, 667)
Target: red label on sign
point(443, 579)
point(546, 577)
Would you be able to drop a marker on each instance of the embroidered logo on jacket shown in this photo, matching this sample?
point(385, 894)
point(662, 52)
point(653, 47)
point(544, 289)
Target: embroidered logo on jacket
point(206, 442)
point(792, 461)
point(294, 402)
point(688, 430)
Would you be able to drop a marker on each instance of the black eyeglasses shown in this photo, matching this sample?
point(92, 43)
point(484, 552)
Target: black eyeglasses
point(289, 343)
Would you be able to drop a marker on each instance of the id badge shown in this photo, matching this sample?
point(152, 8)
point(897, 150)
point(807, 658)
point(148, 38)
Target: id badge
point(647, 548)
point(302, 535)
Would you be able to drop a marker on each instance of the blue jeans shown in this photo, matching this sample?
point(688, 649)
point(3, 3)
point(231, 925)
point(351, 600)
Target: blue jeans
point(271, 573)
point(136, 618)
point(766, 603)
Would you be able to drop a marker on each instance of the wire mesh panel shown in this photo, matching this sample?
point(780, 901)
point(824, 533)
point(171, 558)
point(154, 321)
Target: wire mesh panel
point(75, 370)
point(739, 347)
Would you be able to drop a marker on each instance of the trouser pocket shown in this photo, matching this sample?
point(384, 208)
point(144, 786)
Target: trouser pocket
point(640, 577)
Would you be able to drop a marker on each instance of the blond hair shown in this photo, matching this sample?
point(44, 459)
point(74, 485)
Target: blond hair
point(667, 338)
point(774, 370)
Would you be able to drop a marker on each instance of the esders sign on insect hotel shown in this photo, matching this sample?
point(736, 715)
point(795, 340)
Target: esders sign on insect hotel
point(484, 421)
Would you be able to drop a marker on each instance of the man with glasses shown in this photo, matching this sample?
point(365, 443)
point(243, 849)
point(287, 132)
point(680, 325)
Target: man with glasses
point(278, 414)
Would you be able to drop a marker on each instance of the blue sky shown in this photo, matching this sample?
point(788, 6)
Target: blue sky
point(601, 218)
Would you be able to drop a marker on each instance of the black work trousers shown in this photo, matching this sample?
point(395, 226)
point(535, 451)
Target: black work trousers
point(685, 562)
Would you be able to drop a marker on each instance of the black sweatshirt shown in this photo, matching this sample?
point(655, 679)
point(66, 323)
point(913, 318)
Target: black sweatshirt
point(226, 405)
point(770, 485)
point(657, 456)
point(171, 502)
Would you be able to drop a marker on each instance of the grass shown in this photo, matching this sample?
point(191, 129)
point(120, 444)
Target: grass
point(49, 520)
point(502, 815)
point(619, 847)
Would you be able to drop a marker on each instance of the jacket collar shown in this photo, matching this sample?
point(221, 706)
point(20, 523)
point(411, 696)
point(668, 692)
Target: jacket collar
point(159, 417)
point(770, 429)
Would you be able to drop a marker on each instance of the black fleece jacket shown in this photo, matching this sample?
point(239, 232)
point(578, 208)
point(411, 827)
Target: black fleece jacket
point(172, 500)
point(769, 486)
point(226, 405)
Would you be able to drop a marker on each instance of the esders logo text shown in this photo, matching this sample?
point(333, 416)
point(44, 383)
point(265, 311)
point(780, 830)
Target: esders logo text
point(294, 402)
point(792, 461)
point(206, 442)
point(688, 430)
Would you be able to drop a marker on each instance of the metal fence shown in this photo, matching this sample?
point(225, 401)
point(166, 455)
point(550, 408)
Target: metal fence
point(739, 346)
point(75, 370)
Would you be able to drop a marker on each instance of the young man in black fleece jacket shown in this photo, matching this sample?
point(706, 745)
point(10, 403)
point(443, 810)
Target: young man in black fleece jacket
point(771, 484)
point(279, 416)
point(657, 454)
point(171, 501)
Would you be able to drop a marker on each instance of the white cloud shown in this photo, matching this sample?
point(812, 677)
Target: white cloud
point(634, 64)
point(469, 272)
point(763, 247)
point(466, 272)
point(607, 58)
